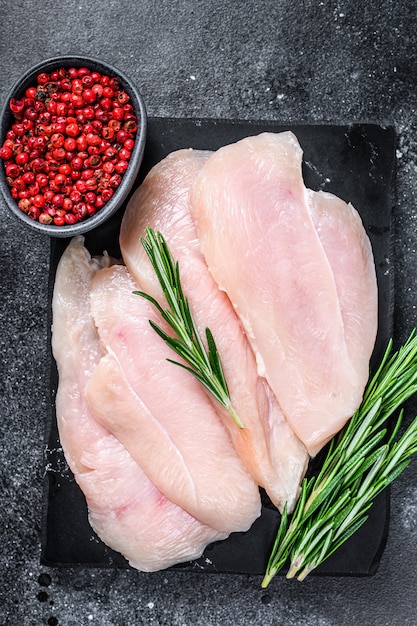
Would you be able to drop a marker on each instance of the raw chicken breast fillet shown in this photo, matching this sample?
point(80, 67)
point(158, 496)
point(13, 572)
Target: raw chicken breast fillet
point(271, 452)
point(125, 509)
point(161, 414)
point(298, 268)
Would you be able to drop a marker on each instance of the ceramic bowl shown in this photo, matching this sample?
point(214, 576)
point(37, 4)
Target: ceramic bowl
point(129, 177)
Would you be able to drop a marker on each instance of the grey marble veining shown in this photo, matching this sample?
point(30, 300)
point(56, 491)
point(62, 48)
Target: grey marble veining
point(310, 62)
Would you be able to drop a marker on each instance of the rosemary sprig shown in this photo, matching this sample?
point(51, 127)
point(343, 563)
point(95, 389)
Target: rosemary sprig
point(204, 364)
point(361, 461)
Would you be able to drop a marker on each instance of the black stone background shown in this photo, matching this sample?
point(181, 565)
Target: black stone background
point(292, 63)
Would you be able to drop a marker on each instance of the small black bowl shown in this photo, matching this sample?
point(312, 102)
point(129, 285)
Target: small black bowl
point(129, 177)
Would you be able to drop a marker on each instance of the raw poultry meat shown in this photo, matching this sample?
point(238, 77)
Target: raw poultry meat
point(125, 508)
point(161, 414)
point(271, 452)
point(298, 268)
point(284, 278)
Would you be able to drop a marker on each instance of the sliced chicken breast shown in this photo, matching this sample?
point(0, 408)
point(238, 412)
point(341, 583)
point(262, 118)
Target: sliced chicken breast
point(161, 414)
point(268, 447)
point(298, 268)
point(125, 509)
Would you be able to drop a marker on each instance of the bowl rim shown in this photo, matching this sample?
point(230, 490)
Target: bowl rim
point(129, 177)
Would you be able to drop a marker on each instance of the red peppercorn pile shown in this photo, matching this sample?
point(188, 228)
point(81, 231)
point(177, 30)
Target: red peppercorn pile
point(69, 145)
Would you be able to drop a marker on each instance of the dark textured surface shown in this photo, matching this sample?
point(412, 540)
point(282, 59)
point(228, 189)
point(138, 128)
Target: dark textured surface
point(336, 158)
point(307, 62)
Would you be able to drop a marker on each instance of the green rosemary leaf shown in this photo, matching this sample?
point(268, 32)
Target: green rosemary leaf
point(330, 549)
point(283, 525)
point(364, 464)
point(309, 547)
point(396, 472)
point(214, 359)
point(300, 505)
point(345, 511)
point(338, 504)
point(396, 428)
point(282, 529)
point(152, 300)
point(363, 427)
point(160, 332)
point(327, 540)
point(176, 345)
point(320, 495)
point(204, 364)
point(330, 465)
point(211, 388)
